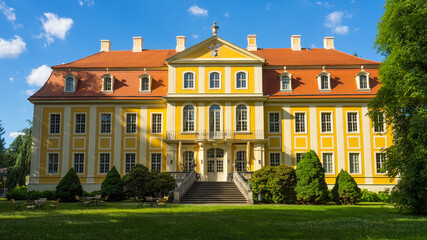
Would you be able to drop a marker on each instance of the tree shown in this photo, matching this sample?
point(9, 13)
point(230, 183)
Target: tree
point(2, 146)
point(137, 182)
point(112, 186)
point(282, 184)
point(346, 190)
point(163, 183)
point(402, 39)
point(311, 186)
point(69, 187)
point(259, 183)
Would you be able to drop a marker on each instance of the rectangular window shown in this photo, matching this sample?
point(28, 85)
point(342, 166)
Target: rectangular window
point(80, 123)
point(274, 122)
point(298, 157)
point(130, 161)
point(379, 124)
point(156, 161)
point(274, 159)
point(241, 80)
point(354, 163)
point(352, 121)
point(156, 123)
point(106, 123)
point(55, 123)
point(328, 162)
point(300, 122)
point(104, 162)
point(379, 159)
point(363, 81)
point(324, 82)
point(131, 123)
point(326, 122)
point(79, 162)
point(53, 163)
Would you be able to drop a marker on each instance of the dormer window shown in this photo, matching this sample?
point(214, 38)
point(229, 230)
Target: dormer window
point(324, 80)
point(70, 83)
point(362, 80)
point(107, 82)
point(145, 83)
point(285, 81)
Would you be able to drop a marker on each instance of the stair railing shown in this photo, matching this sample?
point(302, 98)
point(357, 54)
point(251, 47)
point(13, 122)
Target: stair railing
point(179, 192)
point(243, 187)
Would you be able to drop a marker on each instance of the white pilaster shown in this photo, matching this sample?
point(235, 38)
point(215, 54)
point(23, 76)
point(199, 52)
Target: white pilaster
point(313, 129)
point(202, 163)
point(171, 157)
point(36, 144)
point(227, 79)
point(258, 79)
point(287, 134)
point(340, 137)
point(202, 117)
point(118, 116)
point(171, 79)
point(259, 156)
point(259, 120)
point(170, 123)
point(202, 79)
point(227, 117)
point(66, 141)
point(367, 150)
point(143, 135)
point(91, 158)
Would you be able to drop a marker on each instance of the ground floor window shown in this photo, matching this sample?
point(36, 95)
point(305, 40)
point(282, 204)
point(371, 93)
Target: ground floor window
point(53, 163)
point(188, 161)
point(79, 162)
point(274, 159)
point(156, 161)
point(104, 162)
point(328, 162)
point(379, 159)
point(130, 161)
point(298, 158)
point(354, 163)
point(241, 161)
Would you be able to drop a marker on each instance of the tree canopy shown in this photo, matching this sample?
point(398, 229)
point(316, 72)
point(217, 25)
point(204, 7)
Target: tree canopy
point(402, 39)
point(2, 146)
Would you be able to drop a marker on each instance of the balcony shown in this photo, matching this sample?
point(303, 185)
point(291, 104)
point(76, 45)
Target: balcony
point(227, 135)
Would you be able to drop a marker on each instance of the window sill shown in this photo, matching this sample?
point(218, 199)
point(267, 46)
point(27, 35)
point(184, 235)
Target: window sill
point(69, 91)
point(107, 91)
point(286, 90)
point(325, 90)
point(364, 89)
point(144, 91)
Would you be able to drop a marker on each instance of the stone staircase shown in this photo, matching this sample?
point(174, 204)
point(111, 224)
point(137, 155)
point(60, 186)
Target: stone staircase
point(213, 192)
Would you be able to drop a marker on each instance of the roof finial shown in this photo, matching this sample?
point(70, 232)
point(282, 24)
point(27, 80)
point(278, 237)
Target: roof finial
point(145, 70)
point(323, 68)
point(69, 70)
point(284, 68)
point(362, 68)
point(214, 29)
point(107, 70)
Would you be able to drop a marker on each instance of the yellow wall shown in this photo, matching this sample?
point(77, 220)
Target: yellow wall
point(180, 79)
point(155, 142)
point(101, 140)
point(79, 140)
point(327, 142)
point(300, 141)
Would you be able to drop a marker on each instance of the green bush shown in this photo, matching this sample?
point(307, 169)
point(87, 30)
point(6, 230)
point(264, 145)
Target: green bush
point(384, 197)
point(33, 194)
point(112, 186)
point(368, 196)
point(137, 182)
point(282, 184)
point(18, 193)
point(49, 194)
point(259, 184)
point(162, 184)
point(69, 187)
point(311, 186)
point(345, 190)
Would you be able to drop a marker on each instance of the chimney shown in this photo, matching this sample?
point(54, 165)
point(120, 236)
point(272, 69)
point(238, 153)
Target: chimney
point(296, 42)
point(180, 43)
point(252, 42)
point(328, 43)
point(137, 44)
point(105, 45)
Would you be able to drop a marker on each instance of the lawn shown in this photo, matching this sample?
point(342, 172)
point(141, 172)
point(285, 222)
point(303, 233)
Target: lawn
point(130, 221)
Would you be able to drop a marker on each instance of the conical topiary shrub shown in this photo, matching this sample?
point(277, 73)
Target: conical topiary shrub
point(69, 187)
point(311, 186)
point(113, 186)
point(346, 190)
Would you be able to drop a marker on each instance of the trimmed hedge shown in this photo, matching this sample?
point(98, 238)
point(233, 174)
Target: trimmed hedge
point(113, 186)
point(18, 193)
point(69, 187)
point(346, 190)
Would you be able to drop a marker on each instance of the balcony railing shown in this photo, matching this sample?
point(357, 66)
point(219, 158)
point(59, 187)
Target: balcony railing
point(216, 135)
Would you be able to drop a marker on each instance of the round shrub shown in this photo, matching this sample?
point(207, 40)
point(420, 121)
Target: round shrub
point(33, 194)
point(368, 196)
point(281, 184)
point(311, 186)
point(69, 187)
point(384, 197)
point(112, 186)
point(18, 193)
point(259, 183)
point(346, 190)
point(162, 184)
point(137, 182)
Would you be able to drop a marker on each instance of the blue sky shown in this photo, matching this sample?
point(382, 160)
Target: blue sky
point(37, 34)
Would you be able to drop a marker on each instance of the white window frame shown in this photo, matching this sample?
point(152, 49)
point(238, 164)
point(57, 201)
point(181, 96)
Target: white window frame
point(60, 123)
point(161, 123)
point(332, 121)
point(75, 123)
point(126, 123)
point(295, 156)
point(360, 163)
point(376, 166)
point(357, 77)
point(247, 80)
point(358, 122)
point(69, 75)
point(285, 74)
point(280, 123)
point(220, 81)
point(112, 83)
point(182, 118)
point(221, 109)
point(333, 162)
point(275, 152)
point(194, 80)
point(239, 149)
point(305, 122)
point(125, 160)
point(319, 81)
point(99, 163)
point(184, 157)
point(47, 163)
point(151, 160)
point(84, 162)
point(100, 123)
point(248, 112)
point(384, 126)
point(145, 75)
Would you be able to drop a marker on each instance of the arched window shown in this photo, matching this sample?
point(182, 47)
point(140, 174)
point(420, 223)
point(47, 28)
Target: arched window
point(214, 80)
point(362, 80)
point(145, 82)
point(214, 121)
point(69, 84)
point(241, 118)
point(107, 82)
point(240, 161)
point(241, 80)
point(188, 118)
point(189, 80)
point(286, 83)
point(324, 80)
point(188, 161)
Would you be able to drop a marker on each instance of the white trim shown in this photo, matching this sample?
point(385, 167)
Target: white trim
point(91, 151)
point(194, 80)
point(47, 163)
point(182, 118)
point(321, 142)
point(287, 137)
point(75, 123)
point(306, 142)
point(340, 137)
point(84, 161)
point(151, 123)
point(314, 132)
point(358, 122)
point(36, 144)
point(118, 133)
point(170, 121)
point(84, 143)
point(259, 120)
point(332, 122)
point(201, 79)
point(227, 79)
point(99, 143)
point(66, 138)
point(280, 122)
point(221, 116)
point(333, 161)
point(124, 160)
point(375, 142)
point(375, 163)
point(348, 142)
point(129, 148)
point(75, 80)
point(280, 142)
point(145, 75)
point(305, 122)
point(360, 162)
point(171, 79)
point(209, 80)
point(248, 116)
point(59, 143)
point(161, 143)
point(136, 123)
point(258, 79)
point(366, 143)
point(151, 160)
point(60, 123)
point(100, 123)
point(112, 83)
point(235, 80)
point(280, 157)
point(357, 77)
point(99, 163)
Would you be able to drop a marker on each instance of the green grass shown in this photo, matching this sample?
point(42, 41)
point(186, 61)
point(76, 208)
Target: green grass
point(129, 221)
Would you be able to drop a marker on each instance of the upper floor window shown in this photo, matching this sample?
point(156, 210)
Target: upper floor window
point(352, 122)
point(55, 123)
point(326, 119)
point(274, 122)
point(379, 162)
point(241, 118)
point(189, 80)
point(145, 82)
point(241, 80)
point(324, 80)
point(188, 119)
point(285, 81)
point(214, 80)
point(300, 122)
point(131, 123)
point(156, 123)
point(106, 123)
point(107, 82)
point(80, 122)
point(362, 80)
point(70, 83)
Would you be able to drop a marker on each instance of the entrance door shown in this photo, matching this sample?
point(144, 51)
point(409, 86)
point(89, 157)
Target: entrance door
point(215, 161)
point(214, 121)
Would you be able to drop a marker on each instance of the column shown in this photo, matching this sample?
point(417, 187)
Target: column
point(367, 149)
point(287, 117)
point(340, 137)
point(202, 164)
point(118, 121)
point(227, 79)
point(143, 135)
point(91, 151)
point(259, 120)
point(36, 144)
point(313, 129)
point(66, 141)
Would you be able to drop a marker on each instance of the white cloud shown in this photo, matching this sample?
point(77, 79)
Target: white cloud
point(30, 92)
point(12, 47)
point(15, 134)
point(334, 22)
point(312, 45)
point(55, 26)
point(38, 76)
point(8, 12)
point(195, 36)
point(226, 15)
point(11, 79)
point(267, 7)
point(325, 4)
point(87, 2)
point(198, 11)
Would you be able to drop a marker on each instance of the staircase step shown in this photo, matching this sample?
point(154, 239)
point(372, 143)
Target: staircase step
point(213, 193)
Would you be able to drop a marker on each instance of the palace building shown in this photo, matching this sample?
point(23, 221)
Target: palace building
point(219, 106)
